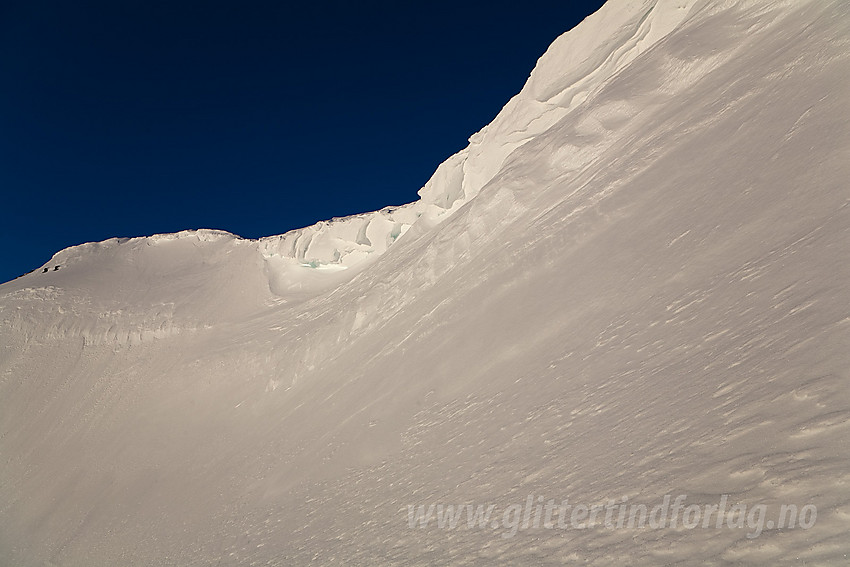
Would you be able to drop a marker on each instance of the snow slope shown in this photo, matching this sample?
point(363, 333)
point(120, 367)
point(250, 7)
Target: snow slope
point(631, 284)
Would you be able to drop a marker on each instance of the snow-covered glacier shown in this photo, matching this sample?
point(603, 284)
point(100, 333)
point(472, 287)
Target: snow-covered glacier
point(629, 289)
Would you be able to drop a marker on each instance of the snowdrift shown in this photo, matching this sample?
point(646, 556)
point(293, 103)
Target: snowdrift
point(632, 284)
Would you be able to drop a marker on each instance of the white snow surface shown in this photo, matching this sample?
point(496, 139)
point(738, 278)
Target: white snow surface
point(632, 283)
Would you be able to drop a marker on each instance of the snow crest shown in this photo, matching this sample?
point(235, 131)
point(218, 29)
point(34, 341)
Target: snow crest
point(632, 285)
point(575, 66)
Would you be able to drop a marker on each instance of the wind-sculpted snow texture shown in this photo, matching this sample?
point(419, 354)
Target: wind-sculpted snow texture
point(632, 283)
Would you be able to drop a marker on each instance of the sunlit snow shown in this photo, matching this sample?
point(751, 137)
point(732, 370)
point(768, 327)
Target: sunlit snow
point(632, 284)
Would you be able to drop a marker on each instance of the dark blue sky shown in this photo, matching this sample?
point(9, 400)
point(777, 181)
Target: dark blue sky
point(129, 118)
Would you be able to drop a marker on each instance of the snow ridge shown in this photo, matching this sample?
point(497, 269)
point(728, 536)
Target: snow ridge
point(577, 64)
point(631, 285)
